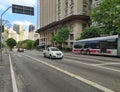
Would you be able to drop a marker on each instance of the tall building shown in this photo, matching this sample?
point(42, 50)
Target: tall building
point(55, 14)
point(31, 28)
point(21, 31)
point(16, 27)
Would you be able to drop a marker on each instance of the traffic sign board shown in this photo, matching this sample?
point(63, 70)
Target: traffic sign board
point(22, 9)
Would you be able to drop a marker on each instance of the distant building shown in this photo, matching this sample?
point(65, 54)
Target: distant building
point(16, 27)
point(23, 35)
point(31, 35)
point(31, 28)
point(12, 34)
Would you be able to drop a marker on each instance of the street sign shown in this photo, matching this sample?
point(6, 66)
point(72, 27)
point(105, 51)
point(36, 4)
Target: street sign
point(22, 9)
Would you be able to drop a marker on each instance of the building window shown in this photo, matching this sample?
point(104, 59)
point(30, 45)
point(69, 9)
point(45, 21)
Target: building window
point(84, 26)
point(85, 7)
point(71, 27)
point(59, 4)
point(71, 44)
point(72, 7)
point(66, 43)
point(66, 7)
point(71, 36)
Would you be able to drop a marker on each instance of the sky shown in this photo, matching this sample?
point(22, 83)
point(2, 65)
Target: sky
point(15, 18)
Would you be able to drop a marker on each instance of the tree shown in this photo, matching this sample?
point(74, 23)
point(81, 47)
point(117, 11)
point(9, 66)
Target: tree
point(61, 36)
point(90, 32)
point(27, 44)
point(11, 43)
point(108, 16)
point(19, 44)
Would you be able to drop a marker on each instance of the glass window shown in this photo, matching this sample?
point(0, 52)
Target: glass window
point(94, 44)
point(71, 36)
point(78, 45)
point(54, 49)
point(112, 44)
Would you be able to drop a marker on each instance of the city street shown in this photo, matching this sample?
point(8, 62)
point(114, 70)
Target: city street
point(73, 73)
point(60, 46)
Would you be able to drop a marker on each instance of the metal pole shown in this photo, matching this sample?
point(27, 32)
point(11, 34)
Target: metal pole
point(1, 38)
point(1, 30)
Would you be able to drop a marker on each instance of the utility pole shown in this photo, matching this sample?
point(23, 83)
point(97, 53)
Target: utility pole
point(1, 29)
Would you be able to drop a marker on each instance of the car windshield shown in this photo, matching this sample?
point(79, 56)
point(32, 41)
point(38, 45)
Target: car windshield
point(54, 49)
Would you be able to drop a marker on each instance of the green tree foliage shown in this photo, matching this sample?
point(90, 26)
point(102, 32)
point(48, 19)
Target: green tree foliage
point(11, 43)
point(108, 15)
point(19, 44)
point(54, 38)
point(28, 44)
point(89, 32)
point(61, 36)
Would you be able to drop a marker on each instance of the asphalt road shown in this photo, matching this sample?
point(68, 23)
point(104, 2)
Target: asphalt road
point(74, 73)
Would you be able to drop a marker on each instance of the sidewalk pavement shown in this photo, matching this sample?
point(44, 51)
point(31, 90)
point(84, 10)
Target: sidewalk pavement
point(5, 74)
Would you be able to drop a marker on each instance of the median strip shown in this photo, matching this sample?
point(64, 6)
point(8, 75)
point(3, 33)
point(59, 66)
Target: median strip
point(100, 87)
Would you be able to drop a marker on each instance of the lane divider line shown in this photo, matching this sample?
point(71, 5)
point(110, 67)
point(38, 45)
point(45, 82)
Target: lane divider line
point(86, 59)
point(14, 84)
point(100, 87)
point(95, 65)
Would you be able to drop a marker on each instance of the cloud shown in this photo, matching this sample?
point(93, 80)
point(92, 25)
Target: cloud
point(6, 3)
point(23, 23)
point(2, 7)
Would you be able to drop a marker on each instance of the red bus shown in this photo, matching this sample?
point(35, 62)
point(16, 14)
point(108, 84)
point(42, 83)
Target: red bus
point(108, 45)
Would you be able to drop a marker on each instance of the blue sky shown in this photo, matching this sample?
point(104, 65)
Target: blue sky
point(15, 18)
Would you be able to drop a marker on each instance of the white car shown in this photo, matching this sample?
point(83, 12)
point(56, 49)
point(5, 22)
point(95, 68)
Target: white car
point(53, 52)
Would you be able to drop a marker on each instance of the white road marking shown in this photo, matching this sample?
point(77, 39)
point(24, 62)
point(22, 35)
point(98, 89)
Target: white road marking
point(91, 83)
point(93, 58)
point(14, 85)
point(85, 59)
point(107, 64)
point(95, 65)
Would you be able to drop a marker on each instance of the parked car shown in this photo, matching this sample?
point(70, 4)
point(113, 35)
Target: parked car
point(53, 52)
point(20, 50)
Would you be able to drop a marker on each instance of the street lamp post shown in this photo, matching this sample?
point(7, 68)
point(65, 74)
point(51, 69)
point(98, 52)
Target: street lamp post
point(1, 30)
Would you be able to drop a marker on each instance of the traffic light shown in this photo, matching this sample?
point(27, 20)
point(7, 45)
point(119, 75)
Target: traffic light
point(2, 30)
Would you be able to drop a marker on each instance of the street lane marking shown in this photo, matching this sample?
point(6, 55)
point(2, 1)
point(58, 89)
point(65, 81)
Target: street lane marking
point(86, 59)
point(100, 87)
point(95, 65)
point(93, 58)
point(14, 84)
point(107, 64)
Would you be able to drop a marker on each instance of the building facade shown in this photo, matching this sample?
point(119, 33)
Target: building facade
point(23, 34)
point(55, 14)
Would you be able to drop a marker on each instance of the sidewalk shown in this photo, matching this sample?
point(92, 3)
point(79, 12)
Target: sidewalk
point(5, 75)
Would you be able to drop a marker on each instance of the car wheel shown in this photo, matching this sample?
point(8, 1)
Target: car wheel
point(44, 55)
point(50, 56)
point(82, 52)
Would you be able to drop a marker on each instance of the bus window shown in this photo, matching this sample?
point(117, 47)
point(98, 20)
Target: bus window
point(112, 44)
point(92, 44)
point(77, 46)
